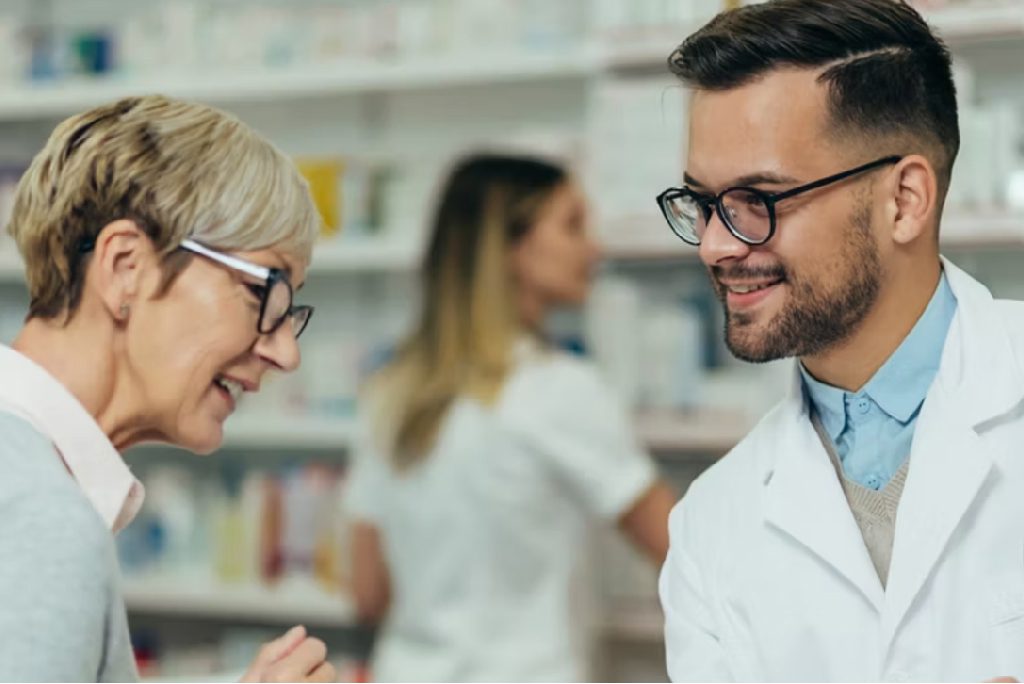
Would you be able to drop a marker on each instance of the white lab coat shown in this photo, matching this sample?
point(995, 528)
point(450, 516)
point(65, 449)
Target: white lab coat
point(768, 577)
point(483, 537)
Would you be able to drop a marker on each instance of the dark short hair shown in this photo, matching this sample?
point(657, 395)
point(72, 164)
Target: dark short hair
point(888, 75)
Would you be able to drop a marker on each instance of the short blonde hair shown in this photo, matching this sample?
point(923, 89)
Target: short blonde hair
point(177, 169)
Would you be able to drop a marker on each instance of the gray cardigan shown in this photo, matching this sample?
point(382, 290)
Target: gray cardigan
point(61, 614)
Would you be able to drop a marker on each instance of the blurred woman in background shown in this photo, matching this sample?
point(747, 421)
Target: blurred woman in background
point(486, 452)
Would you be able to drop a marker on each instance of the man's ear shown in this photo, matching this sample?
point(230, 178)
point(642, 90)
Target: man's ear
point(915, 193)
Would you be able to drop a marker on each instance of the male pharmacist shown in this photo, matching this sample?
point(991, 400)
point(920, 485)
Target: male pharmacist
point(871, 527)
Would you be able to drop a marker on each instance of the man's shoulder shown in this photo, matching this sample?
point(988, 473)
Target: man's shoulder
point(729, 492)
point(1011, 311)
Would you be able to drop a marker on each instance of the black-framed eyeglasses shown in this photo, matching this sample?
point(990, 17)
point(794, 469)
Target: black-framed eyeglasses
point(748, 213)
point(275, 293)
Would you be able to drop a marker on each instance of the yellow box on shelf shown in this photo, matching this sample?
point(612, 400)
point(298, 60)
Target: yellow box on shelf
point(324, 175)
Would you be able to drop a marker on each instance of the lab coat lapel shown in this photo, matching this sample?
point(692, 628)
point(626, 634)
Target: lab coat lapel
point(805, 501)
point(978, 381)
point(948, 468)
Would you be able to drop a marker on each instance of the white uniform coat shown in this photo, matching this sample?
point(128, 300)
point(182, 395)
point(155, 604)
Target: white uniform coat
point(768, 577)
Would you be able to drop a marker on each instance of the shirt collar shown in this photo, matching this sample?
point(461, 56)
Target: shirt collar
point(33, 394)
point(829, 403)
point(901, 384)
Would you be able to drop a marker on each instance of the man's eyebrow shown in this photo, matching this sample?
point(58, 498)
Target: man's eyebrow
point(756, 178)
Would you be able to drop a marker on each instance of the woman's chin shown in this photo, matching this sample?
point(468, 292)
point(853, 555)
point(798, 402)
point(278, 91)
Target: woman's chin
point(202, 438)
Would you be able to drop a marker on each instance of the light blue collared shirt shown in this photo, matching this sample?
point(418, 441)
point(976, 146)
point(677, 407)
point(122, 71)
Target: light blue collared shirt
point(872, 429)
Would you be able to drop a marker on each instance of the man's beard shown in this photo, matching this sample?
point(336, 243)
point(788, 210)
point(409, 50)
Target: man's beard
point(815, 315)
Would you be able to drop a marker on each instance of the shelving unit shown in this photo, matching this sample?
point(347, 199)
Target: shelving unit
point(645, 242)
point(645, 50)
point(288, 432)
point(984, 230)
point(979, 22)
point(366, 254)
point(288, 604)
point(330, 258)
point(12, 270)
point(649, 239)
point(643, 237)
point(641, 623)
point(702, 432)
point(299, 82)
point(335, 93)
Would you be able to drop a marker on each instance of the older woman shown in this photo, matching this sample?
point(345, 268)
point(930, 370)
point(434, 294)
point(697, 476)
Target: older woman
point(162, 242)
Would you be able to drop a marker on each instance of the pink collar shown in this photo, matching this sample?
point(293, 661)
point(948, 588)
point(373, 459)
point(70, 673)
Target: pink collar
point(31, 393)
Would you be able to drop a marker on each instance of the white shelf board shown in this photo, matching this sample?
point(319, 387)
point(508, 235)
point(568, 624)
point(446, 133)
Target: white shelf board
point(982, 230)
point(646, 49)
point(11, 268)
point(289, 604)
point(979, 21)
point(704, 430)
point(642, 237)
point(329, 258)
point(644, 624)
point(650, 48)
point(701, 431)
point(643, 48)
point(282, 431)
point(32, 101)
point(371, 254)
point(637, 239)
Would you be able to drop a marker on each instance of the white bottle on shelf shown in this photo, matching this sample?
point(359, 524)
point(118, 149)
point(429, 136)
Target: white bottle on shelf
point(671, 354)
point(612, 321)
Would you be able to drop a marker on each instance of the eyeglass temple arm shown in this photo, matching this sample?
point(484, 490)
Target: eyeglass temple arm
point(261, 272)
point(835, 178)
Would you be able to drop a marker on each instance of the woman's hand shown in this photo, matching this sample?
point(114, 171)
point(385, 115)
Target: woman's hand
point(294, 657)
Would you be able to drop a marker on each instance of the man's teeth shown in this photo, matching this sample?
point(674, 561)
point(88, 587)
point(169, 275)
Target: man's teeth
point(233, 388)
point(744, 289)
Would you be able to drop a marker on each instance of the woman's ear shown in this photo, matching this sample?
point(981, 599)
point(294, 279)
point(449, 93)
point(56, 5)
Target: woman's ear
point(120, 259)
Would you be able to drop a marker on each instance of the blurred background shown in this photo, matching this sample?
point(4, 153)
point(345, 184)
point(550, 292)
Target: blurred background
point(375, 99)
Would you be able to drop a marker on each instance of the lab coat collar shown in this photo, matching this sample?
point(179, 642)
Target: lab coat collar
point(979, 380)
point(979, 364)
point(980, 367)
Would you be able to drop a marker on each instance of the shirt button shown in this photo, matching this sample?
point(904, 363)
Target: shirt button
point(863, 405)
point(873, 481)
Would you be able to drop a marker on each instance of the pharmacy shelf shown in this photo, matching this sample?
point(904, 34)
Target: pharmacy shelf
point(329, 258)
point(642, 236)
point(703, 431)
point(646, 49)
point(295, 432)
point(978, 22)
point(984, 230)
point(643, 49)
point(638, 240)
point(11, 268)
point(292, 604)
point(32, 101)
point(638, 623)
point(355, 255)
